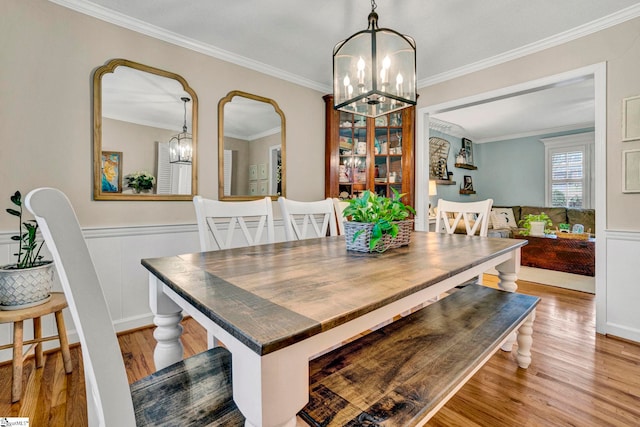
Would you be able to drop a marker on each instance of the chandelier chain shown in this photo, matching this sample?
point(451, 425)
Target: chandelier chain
point(373, 5)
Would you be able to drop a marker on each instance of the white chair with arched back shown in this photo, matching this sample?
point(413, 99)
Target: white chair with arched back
point(339, 206)
point(472, 217)
point(306, 220)
point(192, 392)
point(218, 221)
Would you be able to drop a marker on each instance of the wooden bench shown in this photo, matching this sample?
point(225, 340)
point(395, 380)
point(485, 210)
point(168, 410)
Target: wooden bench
point(403, 373)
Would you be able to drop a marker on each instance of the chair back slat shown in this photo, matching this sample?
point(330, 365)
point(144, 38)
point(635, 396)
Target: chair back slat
point(339, 206)
point(218, 221)
point(108, 395)
point(305, 220)
point(468, 212)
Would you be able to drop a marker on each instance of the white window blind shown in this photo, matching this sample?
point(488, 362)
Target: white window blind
point(569, 170)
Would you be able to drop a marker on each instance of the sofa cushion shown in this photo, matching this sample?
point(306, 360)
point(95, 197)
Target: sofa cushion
point(586, 217)
point(557, 215)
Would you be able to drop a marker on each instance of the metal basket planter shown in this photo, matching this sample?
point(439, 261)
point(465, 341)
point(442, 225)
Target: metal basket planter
point(28, 287)
point(361, 243)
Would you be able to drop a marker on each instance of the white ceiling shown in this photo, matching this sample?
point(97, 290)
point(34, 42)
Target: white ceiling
point(294, 39)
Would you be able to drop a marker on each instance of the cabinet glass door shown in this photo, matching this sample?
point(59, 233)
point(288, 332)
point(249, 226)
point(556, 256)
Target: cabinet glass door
point(353, 155)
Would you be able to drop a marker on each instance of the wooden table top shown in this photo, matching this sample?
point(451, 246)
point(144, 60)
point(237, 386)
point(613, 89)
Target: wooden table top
point(270, 296)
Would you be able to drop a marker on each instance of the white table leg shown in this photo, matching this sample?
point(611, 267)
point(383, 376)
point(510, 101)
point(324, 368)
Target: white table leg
point(508, 273)
point(525, 340)
point(282, 391)
point(167, 318)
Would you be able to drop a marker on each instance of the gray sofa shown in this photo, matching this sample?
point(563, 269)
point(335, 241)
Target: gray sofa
point(571, 216)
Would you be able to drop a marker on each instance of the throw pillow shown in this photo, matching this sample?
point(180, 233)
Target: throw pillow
point(507, 215)
point(499, 222)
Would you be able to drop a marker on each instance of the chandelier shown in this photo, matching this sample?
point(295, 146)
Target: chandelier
point(181, 145)
point(374, 71)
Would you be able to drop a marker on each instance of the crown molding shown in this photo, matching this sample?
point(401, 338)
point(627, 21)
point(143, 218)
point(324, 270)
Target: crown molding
point(605, 22)
point(538, 132)
point(96, 11)
point(121, 20)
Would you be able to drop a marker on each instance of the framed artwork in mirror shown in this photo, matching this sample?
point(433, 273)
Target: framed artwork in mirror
point(138, 111)
point(111, 179)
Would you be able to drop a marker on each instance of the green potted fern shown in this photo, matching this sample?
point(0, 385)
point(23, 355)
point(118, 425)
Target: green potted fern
point(377, 223)
point(28, 281)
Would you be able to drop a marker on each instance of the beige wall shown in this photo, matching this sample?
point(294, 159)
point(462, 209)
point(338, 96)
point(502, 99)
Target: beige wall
point(48, 55)
point(619, 46)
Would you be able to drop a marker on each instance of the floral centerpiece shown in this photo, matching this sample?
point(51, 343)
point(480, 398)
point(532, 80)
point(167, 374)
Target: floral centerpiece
point(140, 181)
point(377, 223)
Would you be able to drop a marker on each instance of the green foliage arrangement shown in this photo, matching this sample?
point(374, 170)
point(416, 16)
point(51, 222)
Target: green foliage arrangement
point(380, 211)
point(527, 220)
point(29, 249)
point(141, 180)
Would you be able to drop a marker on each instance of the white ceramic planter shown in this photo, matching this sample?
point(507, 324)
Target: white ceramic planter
point(537, 228)
point(25, 287)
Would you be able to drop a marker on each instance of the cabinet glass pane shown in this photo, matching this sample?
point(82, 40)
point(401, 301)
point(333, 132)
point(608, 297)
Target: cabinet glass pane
point(395, 119)
point(395, 142)
point(381, 142)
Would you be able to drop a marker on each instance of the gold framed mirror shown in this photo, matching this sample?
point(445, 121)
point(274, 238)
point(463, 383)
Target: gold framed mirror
point(144, 134)
point(251, 147)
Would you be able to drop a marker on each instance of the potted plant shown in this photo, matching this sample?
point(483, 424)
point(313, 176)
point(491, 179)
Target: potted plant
point(28, 281)
point(536, 225)
point(377, 223)
point(141, 181)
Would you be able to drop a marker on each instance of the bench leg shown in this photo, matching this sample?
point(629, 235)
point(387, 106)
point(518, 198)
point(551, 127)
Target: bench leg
point(525, 340)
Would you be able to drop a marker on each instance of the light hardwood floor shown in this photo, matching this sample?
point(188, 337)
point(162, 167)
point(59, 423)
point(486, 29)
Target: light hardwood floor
point(576, 378)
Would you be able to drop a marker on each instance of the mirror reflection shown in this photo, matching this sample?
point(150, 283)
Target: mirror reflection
point(144, 134)
point(251, 141)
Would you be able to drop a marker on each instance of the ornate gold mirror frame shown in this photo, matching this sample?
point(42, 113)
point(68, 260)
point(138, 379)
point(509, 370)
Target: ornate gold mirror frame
point(251, 147)
point(137, 110)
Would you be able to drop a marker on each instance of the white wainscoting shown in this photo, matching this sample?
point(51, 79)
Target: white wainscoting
point(116, 254)
point(621, 298)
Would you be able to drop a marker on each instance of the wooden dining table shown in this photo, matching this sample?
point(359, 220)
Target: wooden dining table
point(276, 306)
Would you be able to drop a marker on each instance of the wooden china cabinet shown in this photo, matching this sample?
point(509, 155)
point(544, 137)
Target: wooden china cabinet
point(363, 153)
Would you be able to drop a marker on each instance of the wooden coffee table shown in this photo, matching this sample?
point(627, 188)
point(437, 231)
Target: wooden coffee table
point(567, 255)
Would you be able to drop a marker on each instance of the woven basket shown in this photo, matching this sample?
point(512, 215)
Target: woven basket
point(361, 244)
point(25, 287)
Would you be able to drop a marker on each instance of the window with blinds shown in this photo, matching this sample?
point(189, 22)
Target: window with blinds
point(569, 170)
point(567, 179)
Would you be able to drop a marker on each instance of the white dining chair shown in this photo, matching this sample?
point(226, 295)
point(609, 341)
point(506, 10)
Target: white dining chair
point(192, 392)
point(218, 221)
point(473, 215)
point(339, 206)
point(305, 220)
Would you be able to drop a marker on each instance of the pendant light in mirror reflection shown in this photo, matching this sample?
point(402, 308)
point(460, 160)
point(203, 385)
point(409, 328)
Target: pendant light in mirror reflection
point(374, 71)
point(181, 145)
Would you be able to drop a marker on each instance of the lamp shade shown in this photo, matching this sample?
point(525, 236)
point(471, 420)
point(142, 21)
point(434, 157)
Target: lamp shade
point(374, 71)
point(433, 188)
